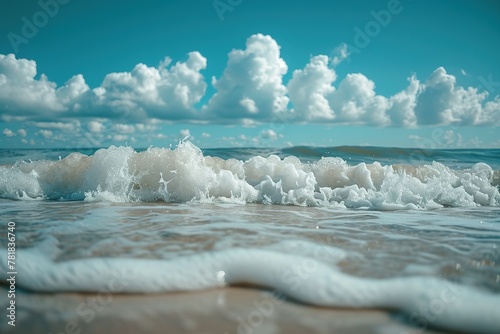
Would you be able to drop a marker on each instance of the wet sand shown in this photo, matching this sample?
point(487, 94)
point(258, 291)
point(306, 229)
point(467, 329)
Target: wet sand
point(227, 310)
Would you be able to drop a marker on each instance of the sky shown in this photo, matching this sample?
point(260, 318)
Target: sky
point(242, 73)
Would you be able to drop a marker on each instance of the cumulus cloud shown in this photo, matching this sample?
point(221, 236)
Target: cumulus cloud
point(164, 92)
point(95, 127)
point(46, 133)
point(269, 134)
point(310, 90)
point(314, 98)
point(120, 138)
point(21, 94)
point(443, 102)
point(185, 133)
point(402, 105)
point(146, 127)
point(250, 91)
point(451, 138)
point(22, 132)
point(72, 93)
point(123, 128)
point(415, 137)
point(355, 102)
point(251, 85)
point(8, 133)
point(491, 113)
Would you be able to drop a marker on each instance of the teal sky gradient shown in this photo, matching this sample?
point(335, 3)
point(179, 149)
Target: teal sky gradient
point(95, 38)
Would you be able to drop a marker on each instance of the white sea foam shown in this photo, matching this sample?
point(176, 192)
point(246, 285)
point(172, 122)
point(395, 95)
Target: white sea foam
point(120, 174)
point(425, 300)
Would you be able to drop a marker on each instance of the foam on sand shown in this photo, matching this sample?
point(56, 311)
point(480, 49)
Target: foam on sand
point(305, 278)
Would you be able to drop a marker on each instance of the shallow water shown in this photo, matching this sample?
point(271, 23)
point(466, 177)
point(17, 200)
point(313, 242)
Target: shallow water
point(461, 245)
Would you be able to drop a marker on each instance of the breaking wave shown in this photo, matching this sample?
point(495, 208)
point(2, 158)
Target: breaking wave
point(183, 174)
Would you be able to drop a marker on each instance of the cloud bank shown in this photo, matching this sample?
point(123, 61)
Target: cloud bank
point(249, 90)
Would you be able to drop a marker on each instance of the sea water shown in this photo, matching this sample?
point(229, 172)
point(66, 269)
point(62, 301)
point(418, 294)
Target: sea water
point(416, 231)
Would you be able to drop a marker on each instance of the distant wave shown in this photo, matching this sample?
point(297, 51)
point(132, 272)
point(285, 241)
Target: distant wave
point(121, 174)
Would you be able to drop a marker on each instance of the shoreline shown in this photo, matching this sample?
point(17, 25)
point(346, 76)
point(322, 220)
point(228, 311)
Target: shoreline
point(228, 310)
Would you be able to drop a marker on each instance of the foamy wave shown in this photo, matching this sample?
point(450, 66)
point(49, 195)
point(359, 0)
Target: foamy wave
point(305, 278)
point(120, 174)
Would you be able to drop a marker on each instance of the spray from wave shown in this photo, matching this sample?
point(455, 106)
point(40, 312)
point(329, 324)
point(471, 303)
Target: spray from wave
point(121, 174)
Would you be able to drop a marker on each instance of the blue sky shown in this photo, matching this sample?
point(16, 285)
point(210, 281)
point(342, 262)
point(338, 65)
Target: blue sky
point(405, 73)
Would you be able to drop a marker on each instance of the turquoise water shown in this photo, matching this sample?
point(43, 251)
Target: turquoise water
point(456, 158)
point(345, 226)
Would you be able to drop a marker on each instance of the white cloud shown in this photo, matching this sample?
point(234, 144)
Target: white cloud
point(249, 91)
point(443, 102)
point(310, 89)
point(491, 113)
point(21, 94)
point(185, 133)
point(402, 105)
point(251, 85)
point(64, 126)
point(46, 133)
point(269, 134)
point(415, 137)
point(95, 127)
point(451, 139)
point(72, 92)
point(475, 143)
point(146, 127)
point(123, 128)
point(120, 138)
point(164, 92)
point(8, 133)
point(341, 53)
point(22, 132)
point(206, 135)
point(355, 102)
point(249, 105)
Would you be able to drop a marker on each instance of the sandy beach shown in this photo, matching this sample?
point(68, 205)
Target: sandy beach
point(227, 310)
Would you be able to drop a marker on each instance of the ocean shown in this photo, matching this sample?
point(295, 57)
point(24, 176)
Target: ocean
point(414, 231)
